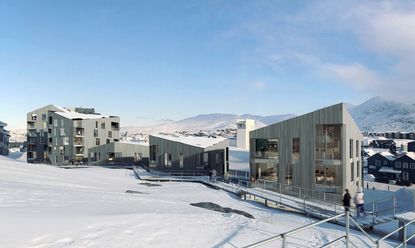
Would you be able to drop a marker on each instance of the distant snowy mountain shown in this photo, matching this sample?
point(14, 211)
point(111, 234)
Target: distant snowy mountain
point(380, 114)
point(207, 122)
point(376, 114)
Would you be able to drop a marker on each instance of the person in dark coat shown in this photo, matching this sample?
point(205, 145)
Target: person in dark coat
point(346, 200)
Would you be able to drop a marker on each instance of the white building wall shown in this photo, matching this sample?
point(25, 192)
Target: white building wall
point(242, 134)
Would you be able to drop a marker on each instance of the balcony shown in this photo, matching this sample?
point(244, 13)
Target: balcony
point(79, 132)
point(115, 126)
point(79, 151)
point(31, 134)
point(78, 142)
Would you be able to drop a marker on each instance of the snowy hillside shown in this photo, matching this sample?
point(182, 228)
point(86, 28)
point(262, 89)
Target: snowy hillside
point(379, 114)
point(44, 206)
point(209, 122)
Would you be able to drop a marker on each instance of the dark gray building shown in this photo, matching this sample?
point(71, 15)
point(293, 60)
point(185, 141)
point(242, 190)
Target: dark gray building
point(188, 154)
point(319, 151)
point(381, 166)
point(119, 154)
point(411, 146)
point(4, 139)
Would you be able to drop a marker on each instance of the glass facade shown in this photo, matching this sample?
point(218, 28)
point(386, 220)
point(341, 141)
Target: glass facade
point(328, 154)
point(266, 157)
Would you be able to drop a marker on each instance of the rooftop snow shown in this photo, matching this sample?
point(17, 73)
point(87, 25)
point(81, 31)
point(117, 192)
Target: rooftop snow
point(389, 170)
point(387, 155)
point(202, 142)
point(75, 115)
point(411, 155)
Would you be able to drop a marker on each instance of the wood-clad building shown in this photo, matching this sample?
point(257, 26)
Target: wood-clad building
point(320, 150)
point(188, 154)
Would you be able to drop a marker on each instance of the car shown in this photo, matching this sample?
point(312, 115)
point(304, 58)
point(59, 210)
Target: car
point(392, 182)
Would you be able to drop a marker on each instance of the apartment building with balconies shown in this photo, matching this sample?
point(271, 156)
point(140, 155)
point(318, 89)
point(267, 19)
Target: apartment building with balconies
point(4, 139)
point(63, 136)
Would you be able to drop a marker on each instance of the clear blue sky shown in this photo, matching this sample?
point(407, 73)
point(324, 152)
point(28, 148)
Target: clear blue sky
point(152, 60)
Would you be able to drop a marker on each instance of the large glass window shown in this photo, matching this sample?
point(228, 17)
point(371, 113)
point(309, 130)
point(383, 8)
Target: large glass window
point(328, 154)
point(266, 158)
point(266, 148)
point(328, 142)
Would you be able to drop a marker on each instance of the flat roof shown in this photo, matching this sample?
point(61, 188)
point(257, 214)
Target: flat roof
point(75, 115)
point(202, 142)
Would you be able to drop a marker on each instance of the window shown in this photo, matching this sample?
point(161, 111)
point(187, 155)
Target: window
point(55, 123)
point(97, 141)
point(372, 167)
point(96, 124)
point(412, 165)
point(181, 160)
point(398, 165)
point(95, 132)
point(351, 148)
point(34, 117)
point(357, 148)
point(153, 155)
point(358, 169)
point(405, 176)
point(328, 142)
point(295, 160)
point(266, 148)
point(62, 131)
point(62, 124)
point(103, 125)
point(108, 141)
point(109, 134)
point(377, 162)
point(205, 158)
point(385, 162)
point(65, 141)
point(405, 165)
point(167, 159)
point(43, 117)
point(352, 171)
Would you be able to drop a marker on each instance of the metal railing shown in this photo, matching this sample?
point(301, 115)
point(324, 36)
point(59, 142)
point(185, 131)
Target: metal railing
point(284, 236)
point(347, 237)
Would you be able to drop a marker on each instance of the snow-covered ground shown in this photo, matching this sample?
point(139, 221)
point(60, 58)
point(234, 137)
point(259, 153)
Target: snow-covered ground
point(44, 206)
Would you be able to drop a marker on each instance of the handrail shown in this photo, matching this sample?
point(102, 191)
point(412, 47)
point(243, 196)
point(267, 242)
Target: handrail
point(284, 235)
point(363, 231)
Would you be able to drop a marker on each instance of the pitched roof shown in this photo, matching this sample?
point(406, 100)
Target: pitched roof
point(387, 155)
point(202, 142)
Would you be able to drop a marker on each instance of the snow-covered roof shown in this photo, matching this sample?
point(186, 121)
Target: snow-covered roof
point(3, 124)
point(75, 115)
point(388, 155)
point(202, 142)
point(411, 155)
point(139, 143)
point(389, 170)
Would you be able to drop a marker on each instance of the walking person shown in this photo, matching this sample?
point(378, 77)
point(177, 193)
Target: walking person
point(346, 200)
point(360, 202)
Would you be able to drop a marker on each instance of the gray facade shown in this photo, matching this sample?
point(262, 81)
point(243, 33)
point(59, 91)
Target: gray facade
point(62, 136)
point(200, 155)
point(119, 153)
point(4, 139)
point(320, 151)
